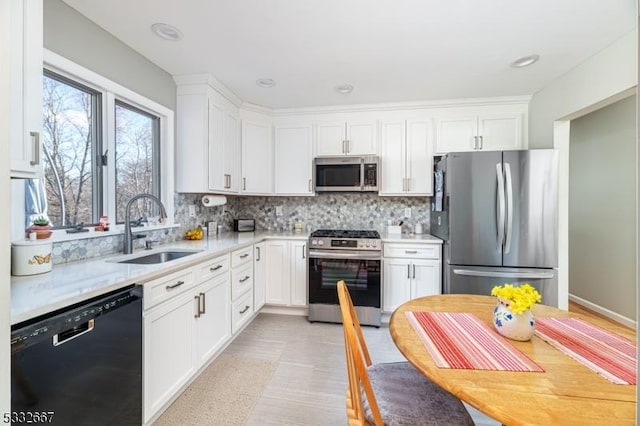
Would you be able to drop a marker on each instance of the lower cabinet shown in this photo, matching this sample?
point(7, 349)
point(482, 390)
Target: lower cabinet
point(183, 332)
point(241, 288)
point(286, 273)
point(415, 272)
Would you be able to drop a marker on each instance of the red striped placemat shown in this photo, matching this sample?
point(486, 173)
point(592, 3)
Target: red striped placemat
point(461, 340)
point(608, 354)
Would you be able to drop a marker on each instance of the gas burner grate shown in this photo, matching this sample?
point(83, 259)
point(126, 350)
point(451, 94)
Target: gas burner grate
point(345, 233)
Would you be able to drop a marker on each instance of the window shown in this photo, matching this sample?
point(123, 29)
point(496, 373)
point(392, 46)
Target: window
point(102, 144)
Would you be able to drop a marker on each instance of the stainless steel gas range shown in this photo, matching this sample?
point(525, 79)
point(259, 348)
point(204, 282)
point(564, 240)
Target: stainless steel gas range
point(352, 256)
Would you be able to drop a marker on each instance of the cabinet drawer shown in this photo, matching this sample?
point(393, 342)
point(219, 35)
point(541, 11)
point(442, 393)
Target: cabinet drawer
point(164, 288)
point(241, 256)
point(241, 280)
point(241, 312)
point(213, 268)
point(412, 251)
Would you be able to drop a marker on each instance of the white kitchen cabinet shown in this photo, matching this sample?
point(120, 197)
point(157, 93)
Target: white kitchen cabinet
point(208, 141)
point(241, 287)
point(406, 157)
point(259, 275)
point(476, 132)
point(286, 273)
point(346, 138)
point(187, 319)
point(257, 155)
point(293, 160)
point(410, 271)
point(25, 91)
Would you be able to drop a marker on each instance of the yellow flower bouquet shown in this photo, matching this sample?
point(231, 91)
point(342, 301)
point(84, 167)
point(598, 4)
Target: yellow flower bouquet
point(518, 299)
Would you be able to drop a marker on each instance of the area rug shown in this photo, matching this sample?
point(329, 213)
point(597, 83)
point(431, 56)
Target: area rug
point(224, 394)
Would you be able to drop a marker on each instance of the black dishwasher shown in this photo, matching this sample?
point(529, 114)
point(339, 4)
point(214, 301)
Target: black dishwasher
point(81, 365)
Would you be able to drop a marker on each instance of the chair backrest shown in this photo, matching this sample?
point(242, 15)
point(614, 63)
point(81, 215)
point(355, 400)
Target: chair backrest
point(358, 360)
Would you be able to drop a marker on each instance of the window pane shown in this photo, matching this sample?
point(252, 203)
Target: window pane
point(137, 160)
point(69, 129)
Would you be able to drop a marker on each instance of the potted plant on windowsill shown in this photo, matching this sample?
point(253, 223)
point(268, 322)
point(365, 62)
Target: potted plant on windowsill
point(41, 227)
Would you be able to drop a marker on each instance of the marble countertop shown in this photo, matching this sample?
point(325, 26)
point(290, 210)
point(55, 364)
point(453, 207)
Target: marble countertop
point(74, 282)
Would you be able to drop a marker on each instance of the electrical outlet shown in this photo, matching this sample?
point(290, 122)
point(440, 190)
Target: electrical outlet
point(407, 212)
point(192, 210)
point(279, 211)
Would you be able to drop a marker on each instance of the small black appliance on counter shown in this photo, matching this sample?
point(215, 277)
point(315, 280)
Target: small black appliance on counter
point(244, 225)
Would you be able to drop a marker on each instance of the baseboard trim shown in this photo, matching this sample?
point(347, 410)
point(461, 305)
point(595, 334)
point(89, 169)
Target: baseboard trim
point(285, 310)
point(628, 322)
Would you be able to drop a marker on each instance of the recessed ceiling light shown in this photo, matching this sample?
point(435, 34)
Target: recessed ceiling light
point(525, 61)
point(166, 31)
point(345, 89)
point(266, 83)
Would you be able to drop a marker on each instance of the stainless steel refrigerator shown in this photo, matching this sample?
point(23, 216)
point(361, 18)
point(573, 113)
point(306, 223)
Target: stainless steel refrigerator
point(497, 214)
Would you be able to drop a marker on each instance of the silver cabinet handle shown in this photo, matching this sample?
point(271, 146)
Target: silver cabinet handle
point(242, 256)
point(215, 268)
point(246, 277)
point(348, 147)
point(414, 270)
point(304, 250)
point(481, 142)
point(257, 254)
point(204, 303)
point(310, 187)
point(197, 299)
point(65, 336)
point(411, 251)
point(246, 308)
point(408, 271)
point(475, 142)
point(36, 148)
point(344, 149)
point(171, 287)
point(408, 185)
point(244, 183)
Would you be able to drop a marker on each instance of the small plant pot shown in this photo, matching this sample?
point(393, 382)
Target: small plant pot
point(513, 326)
point(42, 231)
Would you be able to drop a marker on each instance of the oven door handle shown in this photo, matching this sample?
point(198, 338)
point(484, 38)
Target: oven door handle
point(342, 255)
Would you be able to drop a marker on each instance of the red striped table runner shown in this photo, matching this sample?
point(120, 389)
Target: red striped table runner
point(608, 354)
point(462, 340)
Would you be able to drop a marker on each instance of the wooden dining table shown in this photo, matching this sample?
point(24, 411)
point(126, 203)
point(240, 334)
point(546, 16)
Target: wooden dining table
point(566, 393)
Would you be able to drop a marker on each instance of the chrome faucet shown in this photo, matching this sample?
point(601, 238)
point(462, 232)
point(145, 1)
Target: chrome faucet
point(128, 237)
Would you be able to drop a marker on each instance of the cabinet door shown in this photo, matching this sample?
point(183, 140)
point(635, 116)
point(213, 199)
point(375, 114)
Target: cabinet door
point(331, 139)
point(278, 273)
point(298, 273)
point(393, 158)
point(231, 151)
point(259, 275)
point(425, 278)
point(194, 167)
point(362, 138)
point(218, 180)
point(396, 284)
point(257, 153)
point(25, 92)
point(168, 351)
point(456, 134)
point(500, 132)
point(419, 155)
point(213, 326)
point(293, 160)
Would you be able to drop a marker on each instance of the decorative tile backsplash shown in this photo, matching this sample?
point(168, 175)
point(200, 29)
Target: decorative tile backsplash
point(327, 210)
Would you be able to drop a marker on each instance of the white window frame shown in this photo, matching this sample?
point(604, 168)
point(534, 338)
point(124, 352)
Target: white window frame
point(111, 91)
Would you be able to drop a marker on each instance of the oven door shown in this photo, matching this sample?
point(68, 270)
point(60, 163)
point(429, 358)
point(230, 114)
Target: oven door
point(359, 270)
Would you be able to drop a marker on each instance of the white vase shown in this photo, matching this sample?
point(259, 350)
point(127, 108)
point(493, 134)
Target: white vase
point(513, 326)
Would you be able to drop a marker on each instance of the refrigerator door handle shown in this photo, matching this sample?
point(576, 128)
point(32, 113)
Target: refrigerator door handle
point(509, 196)
point(492, 274)
point(501, 205)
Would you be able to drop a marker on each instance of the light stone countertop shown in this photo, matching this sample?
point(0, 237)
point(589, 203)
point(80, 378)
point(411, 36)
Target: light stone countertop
point(74, 282)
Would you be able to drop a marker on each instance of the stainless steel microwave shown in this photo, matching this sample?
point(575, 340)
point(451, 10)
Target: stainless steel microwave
point(346, 174)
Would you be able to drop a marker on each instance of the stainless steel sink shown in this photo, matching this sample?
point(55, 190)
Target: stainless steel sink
point(159, 257)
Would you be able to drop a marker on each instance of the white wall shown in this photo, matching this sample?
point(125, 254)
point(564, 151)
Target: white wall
point(602, 208)
point(606, 74)
point(5, 381)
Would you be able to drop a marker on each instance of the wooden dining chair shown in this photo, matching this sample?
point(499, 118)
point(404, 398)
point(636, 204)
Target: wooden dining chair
point(390, 393)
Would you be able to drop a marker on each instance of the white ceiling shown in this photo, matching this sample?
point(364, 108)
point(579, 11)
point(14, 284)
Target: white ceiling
point(390, 50)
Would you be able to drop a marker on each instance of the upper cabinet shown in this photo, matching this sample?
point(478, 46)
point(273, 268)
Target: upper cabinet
point(208, 141)
point(354, 137)
point(482, 128)
point(293, 160)
point(407, 157)
point(25, 70)
point(257, 158)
